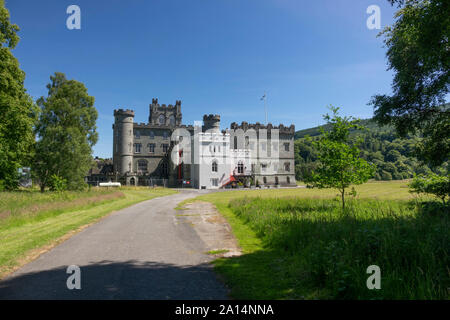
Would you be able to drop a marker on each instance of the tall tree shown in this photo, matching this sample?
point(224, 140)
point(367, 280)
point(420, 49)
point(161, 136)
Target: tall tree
point(66, 133)
point(419, 54)
point(17, 110)
point(340, 164)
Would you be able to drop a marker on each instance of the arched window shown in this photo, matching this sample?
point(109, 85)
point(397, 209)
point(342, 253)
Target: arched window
point(142, 165)
point(288, 180)
point(287, 166)
point(240, 167)
point(235, 142)
point(172, 120)
point(162, 119)
point(214, 167)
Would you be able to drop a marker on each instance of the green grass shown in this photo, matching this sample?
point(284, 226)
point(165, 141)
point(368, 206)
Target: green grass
point(297, 244)
point(40, 219)
point(214, 252)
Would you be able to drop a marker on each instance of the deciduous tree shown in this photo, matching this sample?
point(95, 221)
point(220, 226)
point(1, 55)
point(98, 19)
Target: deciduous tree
point(340, 164)
point(418, 53)
point(17, 110)
point(66, 133)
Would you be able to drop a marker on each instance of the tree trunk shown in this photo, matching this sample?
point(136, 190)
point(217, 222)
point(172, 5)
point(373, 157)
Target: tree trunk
point(343, 200)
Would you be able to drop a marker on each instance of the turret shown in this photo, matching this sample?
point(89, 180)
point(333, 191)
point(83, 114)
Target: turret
point(123, 140)
point(163, 115)
point(211, 122)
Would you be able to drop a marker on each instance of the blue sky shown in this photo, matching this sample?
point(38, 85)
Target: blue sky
point(217, 56)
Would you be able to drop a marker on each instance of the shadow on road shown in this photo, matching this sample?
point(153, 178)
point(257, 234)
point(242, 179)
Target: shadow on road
point(118, 280)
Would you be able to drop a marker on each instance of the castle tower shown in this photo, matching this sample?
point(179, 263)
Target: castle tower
point(211, 122)
point(123, 141)
point(162, 115)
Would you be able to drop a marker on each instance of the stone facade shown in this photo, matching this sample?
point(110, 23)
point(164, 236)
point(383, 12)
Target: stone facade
point(142, 152)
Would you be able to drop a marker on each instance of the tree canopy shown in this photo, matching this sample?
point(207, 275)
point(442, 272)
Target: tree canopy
point(17, 110)
point(340, 164)
point(418, 52)
point(66, 133)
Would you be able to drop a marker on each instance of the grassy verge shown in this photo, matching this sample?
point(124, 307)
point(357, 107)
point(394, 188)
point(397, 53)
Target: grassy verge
point(298, 245)
point(40, 220)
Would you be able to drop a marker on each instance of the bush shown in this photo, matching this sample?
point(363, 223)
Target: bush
point(386, 176)
point(436, 185)
point(56, 183)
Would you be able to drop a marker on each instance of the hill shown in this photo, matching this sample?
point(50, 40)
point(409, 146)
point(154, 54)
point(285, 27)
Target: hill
point(393, 156)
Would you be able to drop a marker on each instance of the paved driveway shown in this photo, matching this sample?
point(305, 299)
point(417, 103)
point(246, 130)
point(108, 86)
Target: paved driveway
point(141, 252)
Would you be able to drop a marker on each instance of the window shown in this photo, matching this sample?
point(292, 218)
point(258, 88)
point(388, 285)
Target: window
point(137, 148)
point(263, 146)
point(240, 167)
point(165, 147)
point(172, 120)
point(247, 138)
point(152, 135)
point(286, 147)
point(214, 166)
point(137, 134)
point(142, 165)
point(162, 119)
point(288, 180)
point(151, 147)
point(263, 167)
point(235, 142)
point(276, 180)
point(275, 146)
point(215, 182)
point(165, 135)
point(265, 180)
point(287, 166)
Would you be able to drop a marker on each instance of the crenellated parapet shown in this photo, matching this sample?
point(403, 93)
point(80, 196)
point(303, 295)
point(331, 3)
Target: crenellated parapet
point(124, 112)
point(257, 126)
point(211, 122)
point(211, 117)
point(165, 114)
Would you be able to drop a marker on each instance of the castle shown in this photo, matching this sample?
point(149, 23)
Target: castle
point(164, 151)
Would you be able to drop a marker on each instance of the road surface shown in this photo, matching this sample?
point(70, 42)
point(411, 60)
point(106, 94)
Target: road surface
point(141, 252)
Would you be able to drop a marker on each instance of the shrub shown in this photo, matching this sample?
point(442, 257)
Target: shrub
point(436, 185)
point(386, 176)
point(56, 183)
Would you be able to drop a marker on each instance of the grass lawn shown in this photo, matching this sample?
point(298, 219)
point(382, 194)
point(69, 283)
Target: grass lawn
point(31, 222)
point(297, 244)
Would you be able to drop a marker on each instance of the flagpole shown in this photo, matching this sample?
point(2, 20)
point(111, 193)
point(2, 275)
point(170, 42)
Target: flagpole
point(265, 106)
